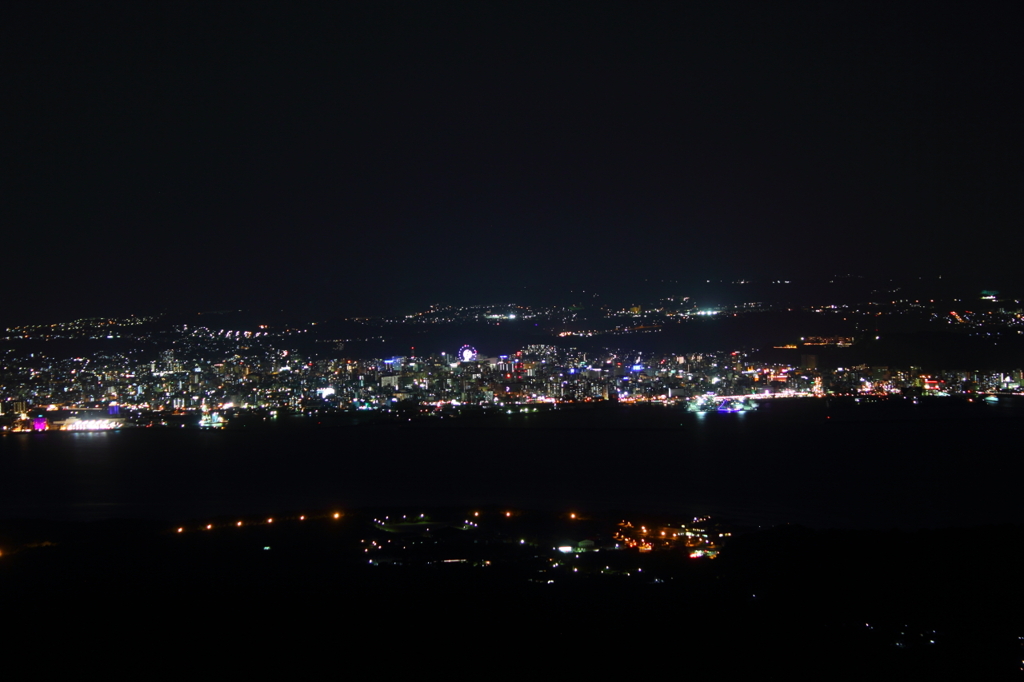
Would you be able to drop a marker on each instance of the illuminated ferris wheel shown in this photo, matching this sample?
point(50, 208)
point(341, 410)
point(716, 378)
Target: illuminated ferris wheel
point(467, 354)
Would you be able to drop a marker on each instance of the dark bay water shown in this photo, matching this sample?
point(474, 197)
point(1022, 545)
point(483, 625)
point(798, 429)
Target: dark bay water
point(876, 466)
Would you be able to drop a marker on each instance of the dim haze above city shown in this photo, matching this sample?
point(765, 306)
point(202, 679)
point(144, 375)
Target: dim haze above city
point(372, 159)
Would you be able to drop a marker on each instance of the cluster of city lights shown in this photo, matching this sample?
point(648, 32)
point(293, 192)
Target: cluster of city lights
point(93, 425)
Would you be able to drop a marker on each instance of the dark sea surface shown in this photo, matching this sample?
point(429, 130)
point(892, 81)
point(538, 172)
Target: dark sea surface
point(941, 463)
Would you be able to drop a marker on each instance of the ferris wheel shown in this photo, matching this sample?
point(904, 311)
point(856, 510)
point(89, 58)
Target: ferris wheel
point(467, 354)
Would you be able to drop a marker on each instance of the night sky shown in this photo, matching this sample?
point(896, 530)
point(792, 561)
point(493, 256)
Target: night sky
point(356, 158)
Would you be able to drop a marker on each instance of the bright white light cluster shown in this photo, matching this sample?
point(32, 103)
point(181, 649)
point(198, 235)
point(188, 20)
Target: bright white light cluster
point(93, 425)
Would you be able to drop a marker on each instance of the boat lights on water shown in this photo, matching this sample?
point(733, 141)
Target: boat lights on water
point(719, 404)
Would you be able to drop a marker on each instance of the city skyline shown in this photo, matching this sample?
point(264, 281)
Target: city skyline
point(216, 369)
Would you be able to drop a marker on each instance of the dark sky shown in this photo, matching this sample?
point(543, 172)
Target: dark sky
point(356, 157)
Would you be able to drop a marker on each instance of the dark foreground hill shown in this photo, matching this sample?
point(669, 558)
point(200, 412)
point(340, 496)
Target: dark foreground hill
point(835, 604)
